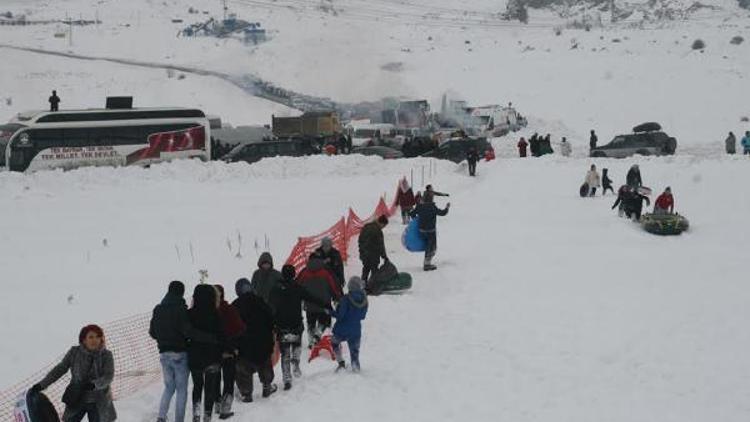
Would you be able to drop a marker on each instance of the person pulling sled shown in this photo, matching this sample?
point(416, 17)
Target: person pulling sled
point(427, 212)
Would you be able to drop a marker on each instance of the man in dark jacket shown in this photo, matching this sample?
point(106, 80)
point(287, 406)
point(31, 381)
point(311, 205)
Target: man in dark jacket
point(265, 278)
point(256, 345)
point(319, 283)
point(54, 101)
point(593, 140)
point(633, 179)
point(427, 213)
point(372, 246)
point(472, 157)
point(331, 258)
point(287, 300)
point(171, 328)
point(630, 202)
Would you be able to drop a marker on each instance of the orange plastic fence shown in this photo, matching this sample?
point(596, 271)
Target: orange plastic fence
point(135, 353)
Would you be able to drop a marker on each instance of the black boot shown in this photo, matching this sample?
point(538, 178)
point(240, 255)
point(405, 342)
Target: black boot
point(269, 389)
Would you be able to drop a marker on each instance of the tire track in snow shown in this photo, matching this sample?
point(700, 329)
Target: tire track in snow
point(249, 83)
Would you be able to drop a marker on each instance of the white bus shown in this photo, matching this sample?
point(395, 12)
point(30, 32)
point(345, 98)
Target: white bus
point(106, 137)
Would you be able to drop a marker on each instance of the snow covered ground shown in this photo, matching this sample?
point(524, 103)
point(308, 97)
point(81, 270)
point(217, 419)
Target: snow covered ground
point(546, 306)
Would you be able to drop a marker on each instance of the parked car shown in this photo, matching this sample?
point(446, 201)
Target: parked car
point(256, 151)
point(455, 149)
point(646, 139)
point(381, 151)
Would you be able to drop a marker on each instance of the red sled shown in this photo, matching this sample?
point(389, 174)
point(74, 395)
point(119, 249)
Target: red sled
point(323, 345)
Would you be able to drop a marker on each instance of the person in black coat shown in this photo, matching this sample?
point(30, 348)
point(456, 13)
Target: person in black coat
point(593, 139)
point(332, 259)
point(287, 300)
point(630, 202)
point(372, 246)
point(633, 179)
point(170, 327)
point(606, 182)
point(204, 358)
point(54, 101)
point(256, 345)
point(427, 213)
point(534, 145)
point(472, 157)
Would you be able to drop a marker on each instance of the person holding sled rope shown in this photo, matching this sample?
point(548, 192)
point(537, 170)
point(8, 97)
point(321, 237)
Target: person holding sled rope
point(428, 212)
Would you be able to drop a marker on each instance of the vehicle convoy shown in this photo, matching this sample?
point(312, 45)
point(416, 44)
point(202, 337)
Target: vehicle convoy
point(256, 151)
point(105, 137)
point(646, 139)
point(322, 125)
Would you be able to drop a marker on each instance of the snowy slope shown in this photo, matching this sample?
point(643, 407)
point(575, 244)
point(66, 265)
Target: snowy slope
point(546, 306)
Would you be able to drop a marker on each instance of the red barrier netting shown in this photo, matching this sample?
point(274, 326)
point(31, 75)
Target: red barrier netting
point(135, 353)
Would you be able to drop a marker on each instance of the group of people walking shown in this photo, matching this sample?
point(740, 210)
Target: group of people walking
point(539, 145)
point(221, 345)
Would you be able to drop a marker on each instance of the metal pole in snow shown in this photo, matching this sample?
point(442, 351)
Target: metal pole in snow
point(411, 178)
point(423, 176)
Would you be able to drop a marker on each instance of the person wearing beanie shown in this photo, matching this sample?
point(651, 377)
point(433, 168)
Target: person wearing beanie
point(331, 258)
point(427, 212)
point(287, 300)
point(665, 202)
point(319, 283)
point(349, 314)
point(171, 328)
point(372, 246)
point(257, 343)
point(92, 369)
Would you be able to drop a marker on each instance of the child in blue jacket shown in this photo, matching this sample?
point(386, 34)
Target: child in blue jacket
point(349, 314)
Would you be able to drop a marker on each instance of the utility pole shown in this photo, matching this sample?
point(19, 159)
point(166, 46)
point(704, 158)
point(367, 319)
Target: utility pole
point(226, 8)
point(70, 30)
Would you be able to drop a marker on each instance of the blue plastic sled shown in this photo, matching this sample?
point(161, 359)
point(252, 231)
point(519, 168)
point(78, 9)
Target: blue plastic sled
point(412, 239)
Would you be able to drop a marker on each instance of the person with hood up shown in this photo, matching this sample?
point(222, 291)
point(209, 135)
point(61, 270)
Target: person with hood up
point(731, 143)
point(319, 283)
point(565, 148)
point(522, 145)
point(472, 157)
point(233, 328)
point(593, 180)
point(665, 202)
point(633, 178)
point(746, 143)
point(606, 182)
point(266, 277)
point(170, 327)
point(204, 358)
point(256, 345)
point(534, 145)
point(405, 200)
point(287, 301)
point(349, 314)
point(331, 258)
point(427, 213)
point(92, 369)
point(372, 246)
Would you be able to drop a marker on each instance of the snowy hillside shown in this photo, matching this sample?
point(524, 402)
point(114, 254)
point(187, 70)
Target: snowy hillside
point(546, 306)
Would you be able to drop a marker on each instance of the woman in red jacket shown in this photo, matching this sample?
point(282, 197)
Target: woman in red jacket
point(665, 202)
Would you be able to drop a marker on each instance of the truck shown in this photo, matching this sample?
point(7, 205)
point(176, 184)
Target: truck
point(312, 124)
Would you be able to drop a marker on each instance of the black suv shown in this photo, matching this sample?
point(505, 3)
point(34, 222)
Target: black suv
point(646, 139)
point(455, 149)
point(256, 151)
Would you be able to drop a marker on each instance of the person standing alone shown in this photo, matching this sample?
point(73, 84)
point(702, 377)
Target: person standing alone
point(54, 101)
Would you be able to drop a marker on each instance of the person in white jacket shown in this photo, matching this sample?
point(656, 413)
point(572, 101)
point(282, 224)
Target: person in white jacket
point(565, 147)
point(593, 180)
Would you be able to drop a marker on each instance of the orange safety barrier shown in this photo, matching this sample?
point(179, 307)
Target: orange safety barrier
point(135, 352)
